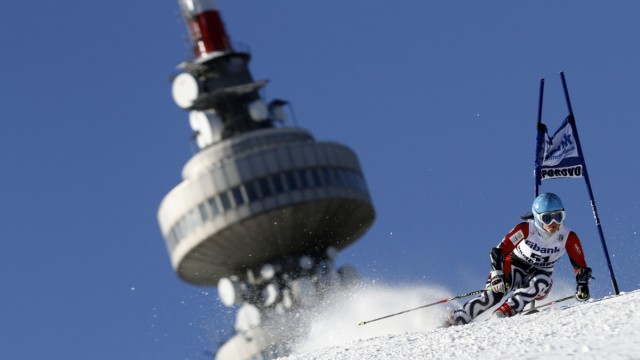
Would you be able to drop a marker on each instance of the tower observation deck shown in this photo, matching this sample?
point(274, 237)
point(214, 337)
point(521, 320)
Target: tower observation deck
point(263, 208)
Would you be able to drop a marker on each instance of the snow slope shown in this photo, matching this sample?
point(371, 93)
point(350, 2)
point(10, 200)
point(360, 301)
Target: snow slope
point(607, 328)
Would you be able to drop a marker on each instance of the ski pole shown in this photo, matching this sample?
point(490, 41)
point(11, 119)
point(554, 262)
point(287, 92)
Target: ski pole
point(535, 309)
point(424, 306)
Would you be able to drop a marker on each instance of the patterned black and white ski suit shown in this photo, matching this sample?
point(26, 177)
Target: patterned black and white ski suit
point(527, 259)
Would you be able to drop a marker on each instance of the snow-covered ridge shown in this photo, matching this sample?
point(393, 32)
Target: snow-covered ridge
point(607, 328)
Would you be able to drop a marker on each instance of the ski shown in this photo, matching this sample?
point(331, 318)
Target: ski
point(537, 308)
point(564, 307)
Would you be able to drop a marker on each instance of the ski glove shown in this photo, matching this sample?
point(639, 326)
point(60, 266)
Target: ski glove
point(497, 282)
point(582, 290)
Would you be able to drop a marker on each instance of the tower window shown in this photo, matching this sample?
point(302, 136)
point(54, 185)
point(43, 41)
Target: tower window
point(226, 202)
point(237, 195)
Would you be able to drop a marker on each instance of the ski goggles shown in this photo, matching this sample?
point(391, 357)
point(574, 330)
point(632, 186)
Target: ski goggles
point(549, 217)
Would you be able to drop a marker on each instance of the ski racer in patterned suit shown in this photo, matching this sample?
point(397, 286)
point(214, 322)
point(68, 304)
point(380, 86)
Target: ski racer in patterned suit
point(524, 260)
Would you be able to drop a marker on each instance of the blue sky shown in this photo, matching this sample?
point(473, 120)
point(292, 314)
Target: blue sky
point(438, 99)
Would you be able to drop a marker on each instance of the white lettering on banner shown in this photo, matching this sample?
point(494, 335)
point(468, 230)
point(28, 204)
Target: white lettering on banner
point(561, 146)
point(573, 171)
point(558, 154)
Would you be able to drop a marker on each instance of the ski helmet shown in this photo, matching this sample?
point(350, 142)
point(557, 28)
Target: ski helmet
point(547, 203)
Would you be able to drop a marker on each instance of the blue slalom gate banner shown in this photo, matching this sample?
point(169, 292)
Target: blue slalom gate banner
point(558, 156)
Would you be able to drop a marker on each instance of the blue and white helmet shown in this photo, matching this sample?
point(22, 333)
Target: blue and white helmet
point(546, 209)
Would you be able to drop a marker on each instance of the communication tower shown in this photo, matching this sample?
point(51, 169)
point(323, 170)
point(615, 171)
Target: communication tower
point(263, 208)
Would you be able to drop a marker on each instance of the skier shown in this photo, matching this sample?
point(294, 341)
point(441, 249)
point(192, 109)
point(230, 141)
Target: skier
point(523, 263)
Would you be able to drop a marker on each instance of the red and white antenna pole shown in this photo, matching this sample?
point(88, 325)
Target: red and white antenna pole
point(205, 27)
